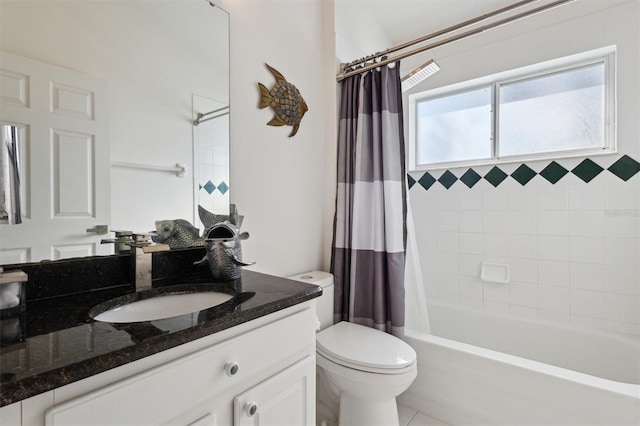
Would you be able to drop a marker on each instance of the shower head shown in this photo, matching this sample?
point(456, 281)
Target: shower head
point(419, 74)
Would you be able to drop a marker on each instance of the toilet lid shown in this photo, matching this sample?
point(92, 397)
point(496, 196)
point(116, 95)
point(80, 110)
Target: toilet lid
point(354, 344)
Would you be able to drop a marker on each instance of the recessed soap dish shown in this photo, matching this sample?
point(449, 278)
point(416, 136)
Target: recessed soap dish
point(495, 272)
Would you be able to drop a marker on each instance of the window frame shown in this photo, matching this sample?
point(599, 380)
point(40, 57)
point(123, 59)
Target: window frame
point(606, 56)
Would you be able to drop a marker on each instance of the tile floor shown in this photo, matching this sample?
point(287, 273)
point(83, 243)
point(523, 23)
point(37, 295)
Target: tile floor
point(411, 417)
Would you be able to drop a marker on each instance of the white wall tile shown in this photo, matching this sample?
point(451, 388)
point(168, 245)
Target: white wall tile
point(587, 249)
point(448, 283)
point(622, 279)
point(553, 247)
point(623, 308)
point(622, 223)
point(448, 242)
point(495, 222)
point(470, 221)
point(426, 240)
point(555, 273)
point(523, 294)
point(553, 222)
point(587, 276)
point(587, 303)
point(471, 200)
point(523, 198)
point(495, 199)
point(586, 223)
point(447, 199)
point(524, 270)
point(586, 196)
point(470, 287)
point(470, 264)
point(554, 298)
point(496, 292)
point(448, 221)
point(622, 195)
point(495, 244)
point(523, 246)
point(448, 262)
point(470, 243)
point(553, 198)
point(523, 222)
point(622, 251)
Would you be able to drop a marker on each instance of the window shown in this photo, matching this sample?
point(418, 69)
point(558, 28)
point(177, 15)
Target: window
point(556, 109)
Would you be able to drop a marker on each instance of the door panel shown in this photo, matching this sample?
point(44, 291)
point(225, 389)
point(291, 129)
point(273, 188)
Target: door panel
point(63, 121)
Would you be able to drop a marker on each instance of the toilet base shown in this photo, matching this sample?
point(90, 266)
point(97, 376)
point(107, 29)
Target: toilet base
point(360, 412)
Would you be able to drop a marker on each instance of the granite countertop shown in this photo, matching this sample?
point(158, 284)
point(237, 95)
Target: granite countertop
point(63, 344)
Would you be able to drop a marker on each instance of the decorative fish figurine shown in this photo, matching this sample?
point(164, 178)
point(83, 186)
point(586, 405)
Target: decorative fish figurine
point(209, 219)
point(224, 252)
point(286, 101)
point(177, 233)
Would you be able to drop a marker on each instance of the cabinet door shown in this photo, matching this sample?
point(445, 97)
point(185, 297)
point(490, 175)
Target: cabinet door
point(286, 399)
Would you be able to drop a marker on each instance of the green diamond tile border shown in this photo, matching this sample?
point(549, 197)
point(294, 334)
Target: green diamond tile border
point(426, 181)
point(624, 168)
point(553, 172)
point(523, 174)
point(447, 179)
point(495, 176)
point(587, 170)
point(470, 178)
point(410, 181)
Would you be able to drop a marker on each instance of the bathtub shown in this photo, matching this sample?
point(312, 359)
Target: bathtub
point(478, 368)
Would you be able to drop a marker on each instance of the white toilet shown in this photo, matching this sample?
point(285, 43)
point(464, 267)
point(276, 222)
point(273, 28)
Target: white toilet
point(367, 368)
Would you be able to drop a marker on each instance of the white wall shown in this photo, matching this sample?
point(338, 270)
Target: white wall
point(573, 247)
point(280, 184)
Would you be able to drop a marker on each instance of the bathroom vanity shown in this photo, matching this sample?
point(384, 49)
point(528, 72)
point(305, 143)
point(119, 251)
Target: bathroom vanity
point(246, 363)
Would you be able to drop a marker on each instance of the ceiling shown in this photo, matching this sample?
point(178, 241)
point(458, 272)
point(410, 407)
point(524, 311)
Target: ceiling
point(406, 20)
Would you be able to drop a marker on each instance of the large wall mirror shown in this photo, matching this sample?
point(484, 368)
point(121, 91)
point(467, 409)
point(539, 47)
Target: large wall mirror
point(103, 96)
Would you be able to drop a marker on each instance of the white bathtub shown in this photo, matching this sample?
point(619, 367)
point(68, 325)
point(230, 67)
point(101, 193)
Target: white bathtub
point(479, 368)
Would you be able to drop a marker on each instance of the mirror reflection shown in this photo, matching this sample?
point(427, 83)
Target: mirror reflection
point(121, 113)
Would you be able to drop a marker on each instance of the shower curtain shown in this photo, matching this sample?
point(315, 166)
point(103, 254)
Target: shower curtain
point(368, 251)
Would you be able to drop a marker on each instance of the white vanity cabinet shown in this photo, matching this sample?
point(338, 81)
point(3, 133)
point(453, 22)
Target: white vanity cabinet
point(285, 399)
point(268, 362)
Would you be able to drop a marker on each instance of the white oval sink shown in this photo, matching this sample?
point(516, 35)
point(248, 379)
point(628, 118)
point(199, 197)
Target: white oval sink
point(163, 306)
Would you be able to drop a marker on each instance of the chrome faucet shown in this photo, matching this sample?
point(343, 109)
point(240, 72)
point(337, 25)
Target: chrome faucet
point(141, 248)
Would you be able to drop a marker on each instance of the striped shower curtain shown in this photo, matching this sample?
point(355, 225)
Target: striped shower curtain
point(368, 252)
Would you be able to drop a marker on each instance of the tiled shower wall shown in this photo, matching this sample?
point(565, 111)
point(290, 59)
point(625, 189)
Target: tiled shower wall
point(573, 247)
point(572, 240)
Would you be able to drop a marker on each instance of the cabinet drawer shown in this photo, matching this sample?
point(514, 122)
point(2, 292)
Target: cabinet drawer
point(162, 393)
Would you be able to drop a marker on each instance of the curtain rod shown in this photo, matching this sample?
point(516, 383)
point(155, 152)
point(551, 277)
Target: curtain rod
point(438, 33)
point(344, 74)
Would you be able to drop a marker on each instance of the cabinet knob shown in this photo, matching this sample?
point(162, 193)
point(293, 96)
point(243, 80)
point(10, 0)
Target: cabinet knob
point(232, 368)
point(250, 408)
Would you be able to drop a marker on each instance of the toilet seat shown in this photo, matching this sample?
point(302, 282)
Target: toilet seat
point(365, 349)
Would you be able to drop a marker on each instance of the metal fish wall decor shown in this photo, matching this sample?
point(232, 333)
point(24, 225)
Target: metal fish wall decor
point(286, 101)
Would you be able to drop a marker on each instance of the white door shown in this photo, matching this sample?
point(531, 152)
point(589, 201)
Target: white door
point(63, 121)
point(286, 399)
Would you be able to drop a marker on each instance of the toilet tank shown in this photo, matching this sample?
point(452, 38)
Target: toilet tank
point(324, 303)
